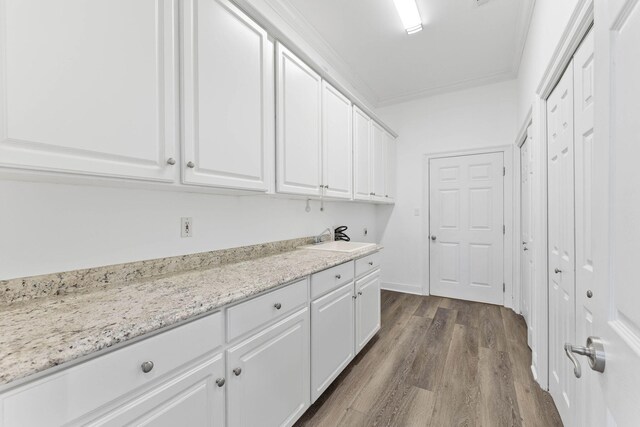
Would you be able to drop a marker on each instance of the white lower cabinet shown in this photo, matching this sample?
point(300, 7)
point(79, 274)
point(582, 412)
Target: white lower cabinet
point(367, 308)
point(332, 337)
point(268, 375)
point(194, 398)
point(281, 352)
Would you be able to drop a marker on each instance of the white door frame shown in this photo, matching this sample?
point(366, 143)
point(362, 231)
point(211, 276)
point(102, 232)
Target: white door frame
point(508, 213)
point(579, 24)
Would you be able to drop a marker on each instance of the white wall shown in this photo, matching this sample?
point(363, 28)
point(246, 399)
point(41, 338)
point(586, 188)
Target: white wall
point(475, 118)
point(548, 23)
point(47, 228)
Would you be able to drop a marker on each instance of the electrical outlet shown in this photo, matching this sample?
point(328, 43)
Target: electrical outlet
point(186, 226)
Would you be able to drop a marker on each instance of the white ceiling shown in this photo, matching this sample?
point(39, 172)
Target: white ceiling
point(461, 45)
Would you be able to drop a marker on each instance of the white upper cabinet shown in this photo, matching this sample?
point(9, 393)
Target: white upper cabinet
point(227, 105)
point(361, 155)
point(390, 167)
point(299, 103)
point(89, 87)
point(337, 145)
point(378, 162)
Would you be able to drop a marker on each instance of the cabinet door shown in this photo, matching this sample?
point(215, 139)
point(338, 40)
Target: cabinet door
point(299, 92)
point(362, 187)
point(269, 375)
point(390, 167)
point(378, 163)
point(228, 81)
point(332, 337)
point(89, 88)
point(367, 309)
point(337, 145)
point(193, 398)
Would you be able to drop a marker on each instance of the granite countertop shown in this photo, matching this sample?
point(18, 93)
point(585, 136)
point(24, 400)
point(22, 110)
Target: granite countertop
point(43, 333)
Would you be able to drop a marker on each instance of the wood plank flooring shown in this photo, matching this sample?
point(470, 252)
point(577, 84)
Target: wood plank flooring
point(438, 362)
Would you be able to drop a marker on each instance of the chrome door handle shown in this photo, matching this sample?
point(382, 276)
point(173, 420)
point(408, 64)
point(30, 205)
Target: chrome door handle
point(594, 352)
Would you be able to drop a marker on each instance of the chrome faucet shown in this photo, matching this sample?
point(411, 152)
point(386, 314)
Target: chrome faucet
point(318, 239)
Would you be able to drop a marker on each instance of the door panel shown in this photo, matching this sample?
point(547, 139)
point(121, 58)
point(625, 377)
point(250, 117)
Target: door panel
point(377, 162)
point(228, 86)
point(367, 309)
point(526, 232)
point(272, 388)
point(362, 186)
point(466, 219)
point(299, 105)
point(332, 337)
point(560, 139)
point(616, 206)
point(68, 102)
point(337, 143)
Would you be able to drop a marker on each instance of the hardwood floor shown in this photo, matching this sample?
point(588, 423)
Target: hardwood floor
point(438, 362)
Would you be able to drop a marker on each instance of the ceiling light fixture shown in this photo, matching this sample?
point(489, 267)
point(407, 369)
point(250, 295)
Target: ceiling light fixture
point(408, 11)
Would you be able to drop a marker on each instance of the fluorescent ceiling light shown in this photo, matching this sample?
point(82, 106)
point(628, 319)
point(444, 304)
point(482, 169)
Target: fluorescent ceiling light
point(408, 11)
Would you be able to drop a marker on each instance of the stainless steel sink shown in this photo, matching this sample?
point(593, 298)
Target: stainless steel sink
point(339, 246)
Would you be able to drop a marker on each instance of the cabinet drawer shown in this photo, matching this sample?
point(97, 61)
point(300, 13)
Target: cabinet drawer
point(330, 279)
point(64, 397)
point(367, 264)
point(252, 314)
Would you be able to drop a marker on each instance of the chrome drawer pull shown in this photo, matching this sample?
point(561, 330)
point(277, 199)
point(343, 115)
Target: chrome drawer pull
point(237, 372)
point(277, 305)
point(220, 382)
point(338, 276)
point(147, 366)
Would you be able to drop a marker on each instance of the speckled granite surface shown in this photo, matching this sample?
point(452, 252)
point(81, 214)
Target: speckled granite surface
point(45, 332)
point(28, 288)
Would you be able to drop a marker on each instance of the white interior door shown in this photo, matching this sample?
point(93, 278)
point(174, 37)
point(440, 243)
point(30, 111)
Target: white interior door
point(561, 218)
point(466, 226)
point(615, 209)
point(526, 231)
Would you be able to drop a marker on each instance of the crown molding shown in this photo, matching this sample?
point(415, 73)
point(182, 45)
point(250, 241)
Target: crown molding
point(453, 87)
point(522, 33)
point(337, 66)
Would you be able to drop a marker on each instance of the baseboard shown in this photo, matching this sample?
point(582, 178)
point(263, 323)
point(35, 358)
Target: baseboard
point(534, 372)
point(402, 287)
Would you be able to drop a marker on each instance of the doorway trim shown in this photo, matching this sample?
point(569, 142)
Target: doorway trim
point(508, 213)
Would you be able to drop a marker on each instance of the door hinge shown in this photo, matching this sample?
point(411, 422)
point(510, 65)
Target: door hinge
point(504, 229)
point(504, 171)
point(504, 287)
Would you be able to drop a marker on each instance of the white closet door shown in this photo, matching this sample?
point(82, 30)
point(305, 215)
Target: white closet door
point(527, 248)
point(228, 85)
point(89, 87)
point(299, 99)
point(562, 383)
point(377, 162)
point(466, 226)
point(337, 143)
point(362, 185)
point(590, 409)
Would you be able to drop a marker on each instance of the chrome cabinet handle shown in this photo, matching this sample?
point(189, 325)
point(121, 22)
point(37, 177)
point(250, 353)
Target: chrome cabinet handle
point(237, 371)
point(354, 297)
point(147, 366)
point(433, 238)
point(524, 243)
point(525, 248)
point(589, 293)
point(338, 276)
point(220, 382)
point(370, 262)
point(191, 165)
point(171, 161)
point(277, 305)
point(594, 352)
point(359, 292)
point(557, 270)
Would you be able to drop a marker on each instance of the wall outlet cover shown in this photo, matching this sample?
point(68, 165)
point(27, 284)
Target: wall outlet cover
point(186, 226)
